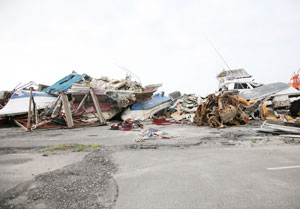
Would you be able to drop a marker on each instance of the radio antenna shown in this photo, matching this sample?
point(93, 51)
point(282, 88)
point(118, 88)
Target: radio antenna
point(218, 53)
point(128, 71)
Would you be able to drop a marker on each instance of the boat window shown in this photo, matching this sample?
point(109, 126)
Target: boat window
point(255, 85)
point(241, 86)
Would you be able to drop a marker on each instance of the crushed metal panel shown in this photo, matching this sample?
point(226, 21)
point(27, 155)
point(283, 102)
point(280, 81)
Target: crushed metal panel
point(220, 110)
point(281, 101)
point(175, 95)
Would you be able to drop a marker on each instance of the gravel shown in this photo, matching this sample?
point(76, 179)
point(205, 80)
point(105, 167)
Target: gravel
point(86, 184)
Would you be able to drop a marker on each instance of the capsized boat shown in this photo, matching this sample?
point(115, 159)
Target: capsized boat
point(144, 110)
point(18, 104)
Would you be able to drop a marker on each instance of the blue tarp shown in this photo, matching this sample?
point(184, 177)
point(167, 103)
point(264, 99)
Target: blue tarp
point(157, 99)
point(64, 84)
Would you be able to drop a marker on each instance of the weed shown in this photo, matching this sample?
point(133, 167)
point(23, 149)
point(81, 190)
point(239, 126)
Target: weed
point(57, 147)
point(94, 146)
point(79, 148)
point(72, 147)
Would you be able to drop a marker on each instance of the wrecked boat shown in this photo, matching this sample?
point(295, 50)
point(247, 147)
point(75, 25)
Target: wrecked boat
point(80, 100)
point(144, 110)
point(113, 95)
point(236, 80)
point(19, 102)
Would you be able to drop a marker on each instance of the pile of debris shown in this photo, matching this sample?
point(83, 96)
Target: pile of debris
point(218, 111)
point(79, 99)
point(280, 99)
point(75, 100)
point(184, 109)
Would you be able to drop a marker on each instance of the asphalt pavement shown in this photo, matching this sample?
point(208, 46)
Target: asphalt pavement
point(194, 167)
point(209, 178)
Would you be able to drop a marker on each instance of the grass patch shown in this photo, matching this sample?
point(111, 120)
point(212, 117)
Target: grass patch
point(253, 140)
point(80, 148)
point(72, 147)
point(94, 146)
point(57, 147)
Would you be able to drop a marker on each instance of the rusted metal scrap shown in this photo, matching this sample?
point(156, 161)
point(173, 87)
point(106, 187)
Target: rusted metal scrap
point(218, 111)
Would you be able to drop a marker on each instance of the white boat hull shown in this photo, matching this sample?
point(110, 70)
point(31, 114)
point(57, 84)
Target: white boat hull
point(19, 102)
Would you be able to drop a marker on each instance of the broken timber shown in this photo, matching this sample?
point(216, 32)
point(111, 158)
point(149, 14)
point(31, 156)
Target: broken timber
point(97, 106)
point(29, 111)
point(67, 109)
point(20, 125)
point(81, 103)
point(278, 129)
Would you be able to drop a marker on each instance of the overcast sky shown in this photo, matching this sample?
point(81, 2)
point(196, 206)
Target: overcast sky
point(162, 41)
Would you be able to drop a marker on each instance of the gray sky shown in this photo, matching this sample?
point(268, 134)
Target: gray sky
point(162, 41)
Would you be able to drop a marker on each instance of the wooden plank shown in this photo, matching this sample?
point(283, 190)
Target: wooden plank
point(41, 124)
point(67, 109)
point(35, 111)
point(96, 103)
point(56, 106)
point(81, 103)
point(289, 136)
point(29, 111)
point(20, 125)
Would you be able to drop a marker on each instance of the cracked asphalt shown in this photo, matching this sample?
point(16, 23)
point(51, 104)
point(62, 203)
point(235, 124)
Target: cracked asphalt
point(200, 167)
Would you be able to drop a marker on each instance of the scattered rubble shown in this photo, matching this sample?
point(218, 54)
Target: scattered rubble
point(279, 129)
point(153, 133)
point(127, 125)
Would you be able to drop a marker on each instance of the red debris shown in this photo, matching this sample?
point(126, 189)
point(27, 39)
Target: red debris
point(164, 122)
